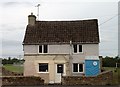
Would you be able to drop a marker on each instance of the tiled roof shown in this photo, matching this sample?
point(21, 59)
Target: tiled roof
point(54, 32)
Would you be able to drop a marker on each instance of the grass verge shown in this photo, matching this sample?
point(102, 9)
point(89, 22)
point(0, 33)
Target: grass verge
point(13, 68)
point(116, 74)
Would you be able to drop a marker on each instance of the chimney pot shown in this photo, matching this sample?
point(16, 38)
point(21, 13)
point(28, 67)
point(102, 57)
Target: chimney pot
point(31, 13)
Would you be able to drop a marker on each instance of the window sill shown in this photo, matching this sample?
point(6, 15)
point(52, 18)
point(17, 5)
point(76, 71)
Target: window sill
point(42, 72)
point(78, 72)
point(78, 53)
point(43, 53)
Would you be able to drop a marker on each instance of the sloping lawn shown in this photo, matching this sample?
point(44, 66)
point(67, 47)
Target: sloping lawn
point(13, 68)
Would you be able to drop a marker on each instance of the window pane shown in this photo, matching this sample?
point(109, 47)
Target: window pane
point(40, 49)
point(80, 67)
point(45, 48)
point(75, 48)
point(60, 68)
point(75, 67)
point(80, 48)
point(43, 67)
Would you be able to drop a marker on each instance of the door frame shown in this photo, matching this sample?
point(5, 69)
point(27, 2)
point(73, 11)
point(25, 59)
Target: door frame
point(58, 75)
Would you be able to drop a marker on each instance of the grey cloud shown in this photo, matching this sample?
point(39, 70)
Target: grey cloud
point(8, 27)
point(10, 43)
point(8, 4)
point(11, 48)
point(11, 3)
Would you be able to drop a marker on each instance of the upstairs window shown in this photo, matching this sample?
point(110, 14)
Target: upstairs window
point(80, 48)
point(40, 49)
point(77, 48)
point(43, 48)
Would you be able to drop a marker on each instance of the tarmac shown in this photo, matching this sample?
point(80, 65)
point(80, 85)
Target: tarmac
point(66, 86)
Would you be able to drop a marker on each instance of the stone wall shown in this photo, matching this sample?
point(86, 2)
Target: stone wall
point(21, 81)
point(104, 78)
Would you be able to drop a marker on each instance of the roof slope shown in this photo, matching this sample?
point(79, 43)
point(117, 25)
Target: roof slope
point(54, 32)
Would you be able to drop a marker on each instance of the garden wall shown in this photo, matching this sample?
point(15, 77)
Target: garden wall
point(21, 81)
point(105, 78)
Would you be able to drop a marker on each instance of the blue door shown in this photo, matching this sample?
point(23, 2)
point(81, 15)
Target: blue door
point(92, 67)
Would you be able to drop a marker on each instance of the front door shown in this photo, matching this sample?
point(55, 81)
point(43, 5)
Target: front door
point(59, 71)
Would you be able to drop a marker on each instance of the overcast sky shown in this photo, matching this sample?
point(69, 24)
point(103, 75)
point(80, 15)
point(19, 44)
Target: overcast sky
point(14, 18)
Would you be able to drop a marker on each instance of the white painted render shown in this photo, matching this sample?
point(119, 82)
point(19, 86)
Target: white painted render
point(88, 49)
point(91, 49)
point(30, 49)
point(59, 49)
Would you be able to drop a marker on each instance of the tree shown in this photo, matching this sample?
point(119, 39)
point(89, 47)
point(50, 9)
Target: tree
point(110, 61)
point(12, 61)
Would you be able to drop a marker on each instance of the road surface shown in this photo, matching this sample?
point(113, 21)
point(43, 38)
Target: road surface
point(62, 86)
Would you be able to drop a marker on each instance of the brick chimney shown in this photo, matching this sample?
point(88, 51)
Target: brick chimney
point(31, 19)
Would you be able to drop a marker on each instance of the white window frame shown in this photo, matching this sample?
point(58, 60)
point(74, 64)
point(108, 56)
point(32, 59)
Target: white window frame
point(78, 68)
point(42, 71)
point(77, 48)
point(42, 49)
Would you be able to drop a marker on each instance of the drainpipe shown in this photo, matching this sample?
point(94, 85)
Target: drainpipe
point(70, 59)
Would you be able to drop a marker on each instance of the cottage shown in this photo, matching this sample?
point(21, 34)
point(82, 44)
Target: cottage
point(56, 48)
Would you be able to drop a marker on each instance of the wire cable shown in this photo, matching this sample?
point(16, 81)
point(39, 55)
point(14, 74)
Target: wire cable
point(109, 19)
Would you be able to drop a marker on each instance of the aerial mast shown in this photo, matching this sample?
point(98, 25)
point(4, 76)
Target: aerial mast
point(38, 11)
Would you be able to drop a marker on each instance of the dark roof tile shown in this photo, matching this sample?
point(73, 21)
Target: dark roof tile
point(48, 32)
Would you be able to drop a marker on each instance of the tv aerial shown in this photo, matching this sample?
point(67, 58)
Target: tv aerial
point(37, 11)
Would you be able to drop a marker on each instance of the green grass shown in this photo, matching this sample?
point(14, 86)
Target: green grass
point(116, 74)
point(10, 67)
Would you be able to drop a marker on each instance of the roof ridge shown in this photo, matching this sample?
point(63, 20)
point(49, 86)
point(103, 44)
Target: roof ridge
point(66, 20)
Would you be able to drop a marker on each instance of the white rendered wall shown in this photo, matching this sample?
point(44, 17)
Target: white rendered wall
point(88, 50)
point(59, 49)
point(30, 49)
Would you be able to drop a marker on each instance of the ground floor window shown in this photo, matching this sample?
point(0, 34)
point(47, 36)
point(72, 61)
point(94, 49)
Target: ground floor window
point(77, 67)
point(43, 67)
